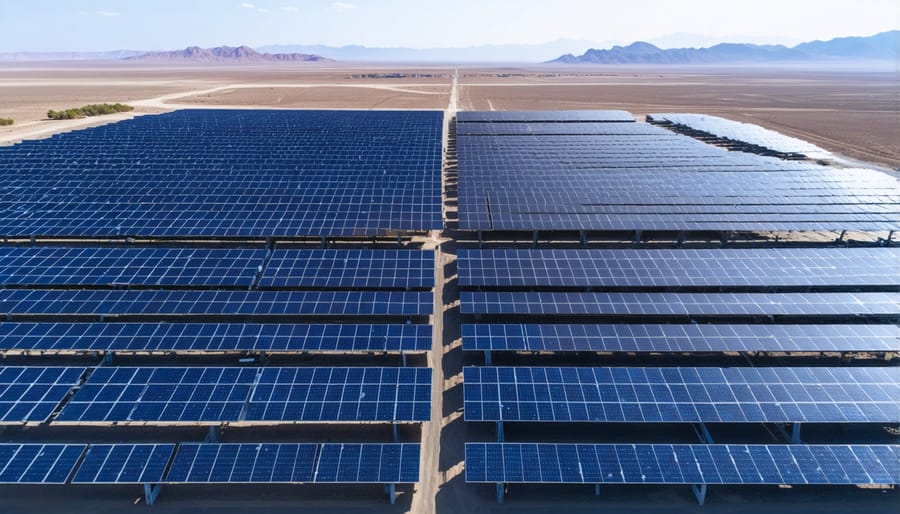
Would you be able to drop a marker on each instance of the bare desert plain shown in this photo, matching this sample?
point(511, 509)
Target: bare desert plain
point(852, 113)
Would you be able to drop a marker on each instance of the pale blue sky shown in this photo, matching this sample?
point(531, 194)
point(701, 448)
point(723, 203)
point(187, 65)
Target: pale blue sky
point(93, 25)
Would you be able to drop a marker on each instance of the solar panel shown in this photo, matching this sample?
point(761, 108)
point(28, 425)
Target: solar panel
point(683, 395)
point(555, 128)
point(794, 464)
point(783, 267)
point(55, 302)
point(230, 173)
point(38, 463)
point(681, 338)
point(682, 304)
point(30, 394)
point(124, 464)
point(295, 463)
point(371, 269)
point(209, 395)
point(743, 132)
point(660, 182)
point(41, 266)
point(214, 337)
point(544, 116)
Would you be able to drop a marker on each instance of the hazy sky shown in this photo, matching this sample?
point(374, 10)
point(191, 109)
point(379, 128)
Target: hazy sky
point(85, 25)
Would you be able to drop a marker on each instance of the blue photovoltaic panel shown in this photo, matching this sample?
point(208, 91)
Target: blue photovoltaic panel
point(214, 303)
point(743, 132)
point(544, 116)
point(38, 463)
point(40, 266)
point(31, 394)
point(214, 337)
point(798, 267)
point(794, 464)
point(341, 394)
point(682, 304)
point(124, 464)
point(666, 182)
point(263, 395)
point(229, 173)
point(556, 128)
point(681, 338)
point(683, 395)
point(367, 463)
point(368, 269)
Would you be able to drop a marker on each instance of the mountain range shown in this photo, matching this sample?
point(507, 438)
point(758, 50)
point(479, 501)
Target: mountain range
point(243, 54)
point(880, 47)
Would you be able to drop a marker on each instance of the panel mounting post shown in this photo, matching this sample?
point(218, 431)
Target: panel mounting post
point(403, 358)
point(487, 358)
point(682, 237)
point(151, 491)
point(500, 490)
point(582, 238)
point(391, 491)
point(107, 359)
point(500, 434)
point(534, 238)
point(399, 238)
point(480, 240)
point(213, 435)
point(396, 432)
point(596, 489)
point(638, 235)
point(323, 241)
point(840, 238)
point(890, 236)
point(700, 493)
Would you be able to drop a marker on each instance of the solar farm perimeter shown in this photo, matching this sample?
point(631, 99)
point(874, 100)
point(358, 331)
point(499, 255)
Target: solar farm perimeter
point(431, 311)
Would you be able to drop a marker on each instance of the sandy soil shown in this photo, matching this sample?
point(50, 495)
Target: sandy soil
point(327, 96)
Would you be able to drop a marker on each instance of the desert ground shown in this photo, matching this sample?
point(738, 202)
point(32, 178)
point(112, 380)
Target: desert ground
point(850, 113)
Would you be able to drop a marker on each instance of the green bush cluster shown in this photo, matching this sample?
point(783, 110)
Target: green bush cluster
point(6, 121)
point(88, 110)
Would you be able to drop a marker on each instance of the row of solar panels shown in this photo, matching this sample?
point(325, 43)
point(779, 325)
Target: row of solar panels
point(212, 268)
point(212, 396)
point(761, 267)
point(219, 173)
point(214, 337)
point(545, 177)
point(683, 395)
point(209, 463)
point(742, 132)
point(682, 464)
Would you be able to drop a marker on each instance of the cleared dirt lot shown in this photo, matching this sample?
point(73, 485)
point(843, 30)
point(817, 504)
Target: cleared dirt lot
point(328, 96)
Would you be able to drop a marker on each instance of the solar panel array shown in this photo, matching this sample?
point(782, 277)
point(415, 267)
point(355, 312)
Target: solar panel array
point(682, 304)
point(67, 302)
point(743, 132)
point(675, 338)
point(683, 395)
point(767, 267)
point(575, 178)
point(682, 464)
point(373, 269)
point(214, 337)
point(229, 173)
point(209, 463)
point(295, 463)
point(30, 394)
point(209, 395)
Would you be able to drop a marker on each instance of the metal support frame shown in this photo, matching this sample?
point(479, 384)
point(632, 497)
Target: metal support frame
point(500, 434)
point(107, 359)
point(323, 241)
point(534, 238)
point(890, 236)
point(395, 430)
point(214, 434)
point(403, 358)
point(488, 360)
point(596, 489)
point(399, 238)
point(582, 238)
point(638, 235)
point(699, 493)
point(501, 489)
point(840, 238)
point(151, 492)
point(391, 491)
point(480, 239)
point(682, 237)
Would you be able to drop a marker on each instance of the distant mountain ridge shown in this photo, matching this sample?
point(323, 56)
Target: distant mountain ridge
point(883, 47)
point(225, 54)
